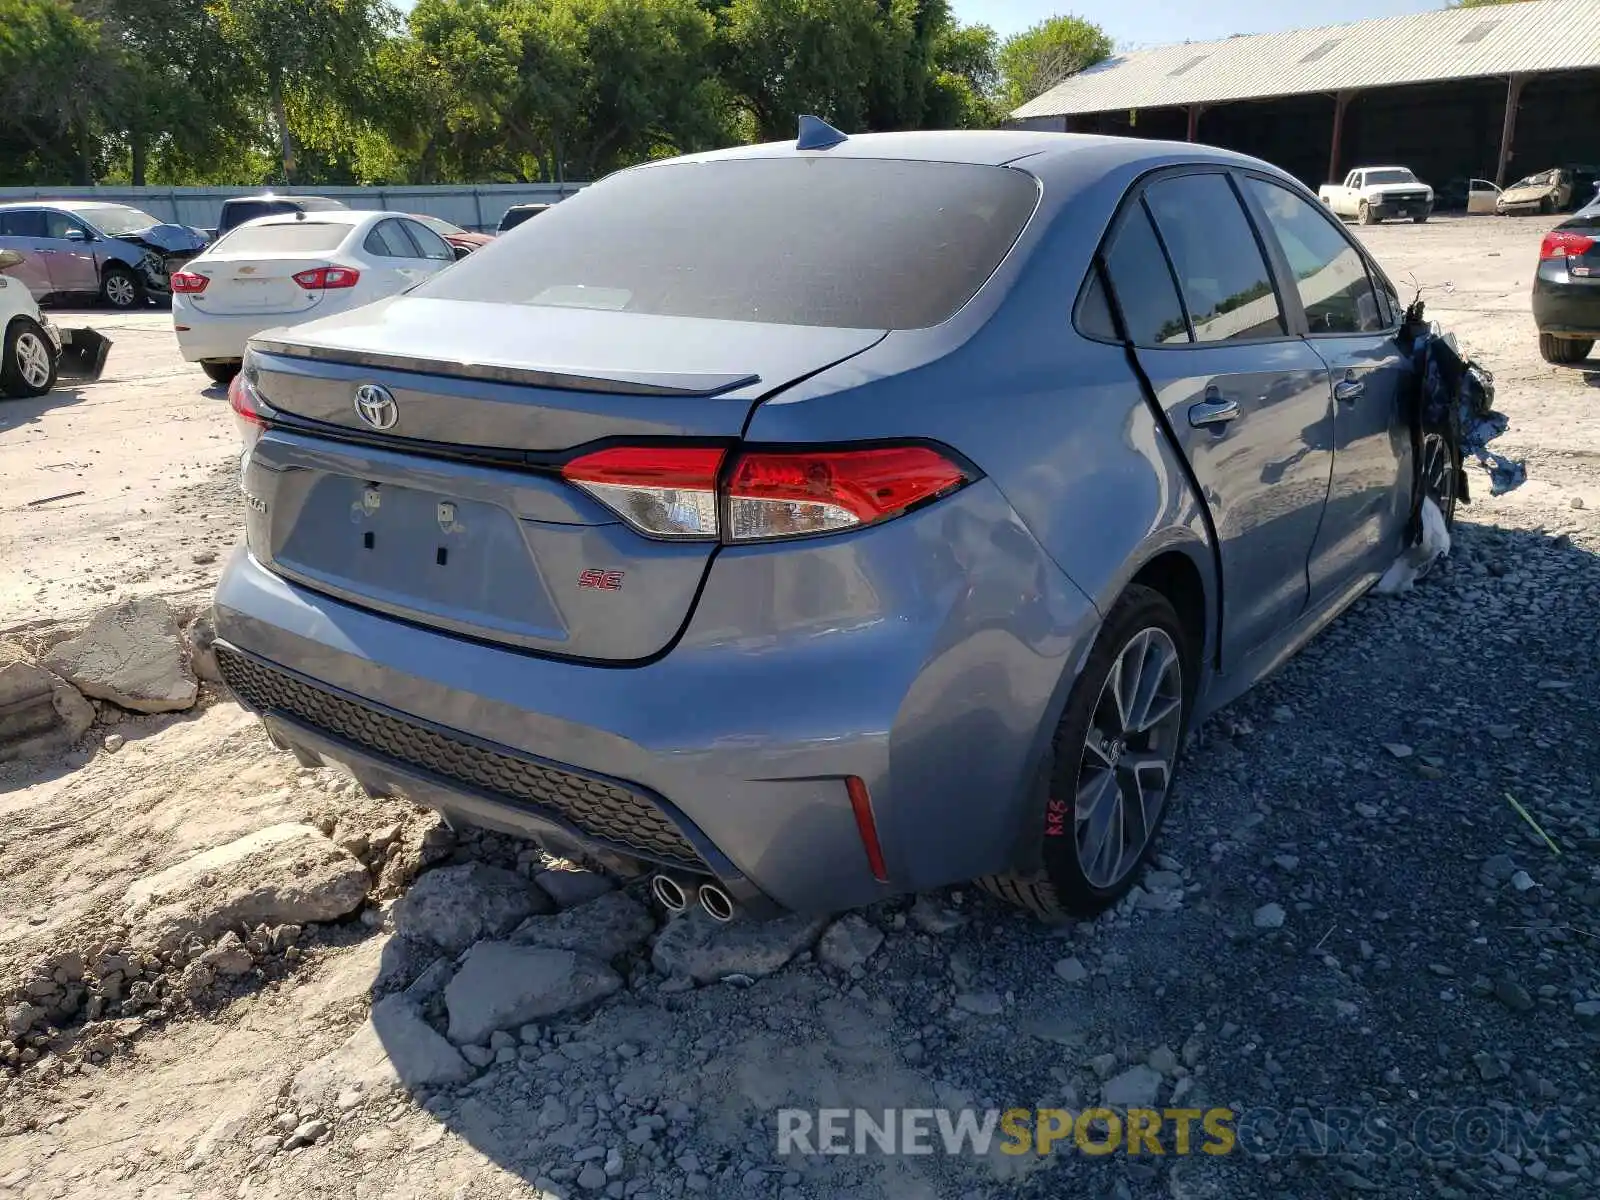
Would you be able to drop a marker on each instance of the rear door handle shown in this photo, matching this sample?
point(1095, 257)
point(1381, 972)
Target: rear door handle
point(1213, 412)
point(1349, 390)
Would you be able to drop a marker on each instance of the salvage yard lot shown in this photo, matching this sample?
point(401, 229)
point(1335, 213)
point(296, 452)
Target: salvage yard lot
point(1349, 921)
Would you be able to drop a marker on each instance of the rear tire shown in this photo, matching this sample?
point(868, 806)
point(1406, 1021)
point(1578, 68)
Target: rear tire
point(121, 289)
point(1114, 764)
point(27, 361)
point(1420, 220)
point(221, 372)
point(1365, 214)
point(1564, 351)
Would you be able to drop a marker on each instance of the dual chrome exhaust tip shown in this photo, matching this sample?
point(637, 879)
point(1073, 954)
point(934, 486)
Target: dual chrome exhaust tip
point(675, 895)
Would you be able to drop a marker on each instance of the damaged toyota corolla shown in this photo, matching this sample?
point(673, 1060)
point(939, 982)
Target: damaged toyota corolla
point(80, 248)
point(811, 522)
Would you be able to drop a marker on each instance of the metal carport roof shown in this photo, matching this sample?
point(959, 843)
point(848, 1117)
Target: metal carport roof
point(1462, 43)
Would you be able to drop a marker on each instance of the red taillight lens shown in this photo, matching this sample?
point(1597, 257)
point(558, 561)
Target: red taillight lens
point(789, 495)
point(1558, 244)
point(321, 279)
point(250, 414)
point(668, 492)
point(188, 283)
point(672, 492)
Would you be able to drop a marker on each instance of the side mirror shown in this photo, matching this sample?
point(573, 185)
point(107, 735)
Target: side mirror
point(461, 252)
point(74, 234)
point(9, 259)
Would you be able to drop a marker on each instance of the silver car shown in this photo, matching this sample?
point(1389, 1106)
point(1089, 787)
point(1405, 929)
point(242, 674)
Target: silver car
point(75, 249)
point(808, 523)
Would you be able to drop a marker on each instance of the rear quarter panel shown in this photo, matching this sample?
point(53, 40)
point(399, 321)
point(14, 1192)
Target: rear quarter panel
point(1059, 422)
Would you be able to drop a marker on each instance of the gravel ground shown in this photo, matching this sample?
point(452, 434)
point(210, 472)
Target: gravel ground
point(1352, 939)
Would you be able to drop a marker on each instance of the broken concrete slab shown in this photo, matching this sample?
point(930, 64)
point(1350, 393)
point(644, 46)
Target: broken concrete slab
point(502, 985)
point(393, 1048)
point(287, 874)
point(456, 906)
point(40, 713)
point(132, 655)
point(603, 928)
point(705, 950)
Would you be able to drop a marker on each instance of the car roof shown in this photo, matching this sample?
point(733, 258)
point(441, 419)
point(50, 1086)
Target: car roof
point(1382, 167)
point(989, 147)
point(69, 205)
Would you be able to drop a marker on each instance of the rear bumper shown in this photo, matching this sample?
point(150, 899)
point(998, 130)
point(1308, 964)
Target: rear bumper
point(937, 689)
point(1563, 305)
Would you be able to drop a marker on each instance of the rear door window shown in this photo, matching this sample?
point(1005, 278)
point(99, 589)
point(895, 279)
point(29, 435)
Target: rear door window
point(429, 244)
point(1225, 281)
point(797, 240)
point(1329, 273)
point(388, 240)
point(1145, 292)
point(26, 222)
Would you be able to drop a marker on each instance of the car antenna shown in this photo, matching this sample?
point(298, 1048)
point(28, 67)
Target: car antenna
point(817, 134)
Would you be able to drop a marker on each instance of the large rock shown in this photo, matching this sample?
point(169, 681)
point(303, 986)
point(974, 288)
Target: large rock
point(394, 1047)
point(456, 906)
point(282, 875)
point(501, 985)
point(603, 928)
point(40, 713)
point(132, 655)
point(849, 942)
point(570, 886)
point(705, 951)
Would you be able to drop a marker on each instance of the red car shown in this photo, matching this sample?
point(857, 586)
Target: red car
point(462, 241)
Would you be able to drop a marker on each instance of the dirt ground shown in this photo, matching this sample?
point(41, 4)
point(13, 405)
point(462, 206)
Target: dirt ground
point(193, 1101)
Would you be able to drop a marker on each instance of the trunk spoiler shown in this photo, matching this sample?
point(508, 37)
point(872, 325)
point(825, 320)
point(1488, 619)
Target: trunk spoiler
point(641, 383)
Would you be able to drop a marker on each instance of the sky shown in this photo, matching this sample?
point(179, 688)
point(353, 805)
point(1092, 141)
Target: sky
point(1132, 23)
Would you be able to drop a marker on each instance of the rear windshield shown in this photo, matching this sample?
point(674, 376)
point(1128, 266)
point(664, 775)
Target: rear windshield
point(313, 236)
point(850, 243)
point(1390, 176)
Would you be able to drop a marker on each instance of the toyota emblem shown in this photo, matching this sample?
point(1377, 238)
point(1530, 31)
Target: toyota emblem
point(375, 405)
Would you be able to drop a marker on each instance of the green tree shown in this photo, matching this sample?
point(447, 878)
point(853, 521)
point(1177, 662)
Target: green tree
point(1035, 60)
point(174, 83)
point(966, 78)
point(304, 61)
point(53, 90)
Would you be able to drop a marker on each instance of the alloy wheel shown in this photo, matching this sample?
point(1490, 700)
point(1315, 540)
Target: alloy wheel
point(33, 359)
point(120, 291)
point(1128, 755)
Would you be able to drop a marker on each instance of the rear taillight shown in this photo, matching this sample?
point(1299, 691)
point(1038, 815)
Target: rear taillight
point(683, 492)
point(249, 412)
point(188, 283)
point(1558, 244)
point(787, 495)
point(668, 492)
point(322, 279)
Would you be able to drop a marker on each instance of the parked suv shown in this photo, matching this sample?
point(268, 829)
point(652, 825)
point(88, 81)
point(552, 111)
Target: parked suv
point(239, 209)
point(808, 526)
point(82, 248)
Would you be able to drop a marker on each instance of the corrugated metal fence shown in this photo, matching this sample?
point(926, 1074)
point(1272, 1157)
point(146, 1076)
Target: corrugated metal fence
point(472, 207)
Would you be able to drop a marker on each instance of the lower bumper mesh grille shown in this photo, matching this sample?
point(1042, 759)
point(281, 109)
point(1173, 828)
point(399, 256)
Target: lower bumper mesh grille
point(600, 809)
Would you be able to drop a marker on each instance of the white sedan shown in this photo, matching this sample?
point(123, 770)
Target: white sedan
point(30, 347)
point(283, 270)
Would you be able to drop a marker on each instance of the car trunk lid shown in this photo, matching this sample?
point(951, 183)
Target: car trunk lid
point(263, 285)
point(454, 515)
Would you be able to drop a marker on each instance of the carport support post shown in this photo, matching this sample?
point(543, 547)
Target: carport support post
point(1194, 121)
point(1508, 130)
point(1341, 101)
